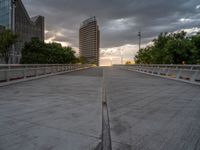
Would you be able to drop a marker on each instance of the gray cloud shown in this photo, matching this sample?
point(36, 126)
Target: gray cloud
point(119, 20)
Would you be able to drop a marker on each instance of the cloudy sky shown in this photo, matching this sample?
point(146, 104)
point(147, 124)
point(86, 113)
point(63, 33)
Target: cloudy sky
point(119, 21)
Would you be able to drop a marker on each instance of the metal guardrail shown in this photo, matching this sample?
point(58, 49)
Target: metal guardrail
point(187, 73)
point(12, 73)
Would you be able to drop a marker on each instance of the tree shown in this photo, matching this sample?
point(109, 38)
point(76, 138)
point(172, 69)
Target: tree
point(69, 55)
point(196, 42)
point(38, 52)
point(178, 51)
point(83, 60)
point(144, 56)
point(34, 52)
point(7, 39)
point(173, 48)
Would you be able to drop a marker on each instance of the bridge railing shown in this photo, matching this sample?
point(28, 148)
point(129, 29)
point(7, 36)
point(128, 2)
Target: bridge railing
point(16, 72)
point(188, 73)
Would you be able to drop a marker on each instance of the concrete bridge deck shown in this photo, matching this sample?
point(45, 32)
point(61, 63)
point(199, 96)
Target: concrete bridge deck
point(61, 112)
point(152, 113)
point(64, 112)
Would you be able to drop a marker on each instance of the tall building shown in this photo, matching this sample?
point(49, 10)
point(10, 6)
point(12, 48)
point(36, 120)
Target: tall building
point(89, 40)
point(14, 16)
point(2, 28)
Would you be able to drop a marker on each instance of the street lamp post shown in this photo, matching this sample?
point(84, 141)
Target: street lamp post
point(111, 61)
point(140, 36)
point(121, 53)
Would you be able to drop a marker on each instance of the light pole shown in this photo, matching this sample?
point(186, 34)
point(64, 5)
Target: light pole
point(111, 61)
point(140, 36)
point(121, 53)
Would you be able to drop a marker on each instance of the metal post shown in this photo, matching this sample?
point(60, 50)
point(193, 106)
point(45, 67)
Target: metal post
point(158, 72)
point(8, 74)
point(36, 71)
point(140, 36)
point(178, 74)
point(25, 71)
point(45, 70)
point(51, 68)
point(193, 79)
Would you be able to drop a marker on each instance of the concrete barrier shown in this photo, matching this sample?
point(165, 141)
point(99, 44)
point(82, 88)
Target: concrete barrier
point(186, 73)
point(16, 73)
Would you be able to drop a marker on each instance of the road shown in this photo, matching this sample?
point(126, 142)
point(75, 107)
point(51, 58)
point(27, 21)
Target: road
point(152, 113)
point(61, 112)
point(64, 112)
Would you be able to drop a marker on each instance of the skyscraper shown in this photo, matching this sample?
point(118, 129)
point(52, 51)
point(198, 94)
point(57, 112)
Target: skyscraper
point(89, 40)
point(14, 16)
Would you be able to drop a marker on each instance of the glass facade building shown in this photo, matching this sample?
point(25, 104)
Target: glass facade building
point(14, 16)
point(5, 13)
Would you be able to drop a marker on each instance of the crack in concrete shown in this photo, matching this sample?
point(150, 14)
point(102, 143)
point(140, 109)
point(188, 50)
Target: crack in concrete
point(106, 143)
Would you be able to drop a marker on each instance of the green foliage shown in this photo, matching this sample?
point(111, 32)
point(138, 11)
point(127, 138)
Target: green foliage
point(144, 56)
point(174, 48)
point(196, 42)
point(82, 60)
point(38, 52)
point(7, 39)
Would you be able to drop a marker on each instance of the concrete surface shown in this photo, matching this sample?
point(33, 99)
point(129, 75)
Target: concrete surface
point(152, 113)
point(64, 112)
point(61, 112)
